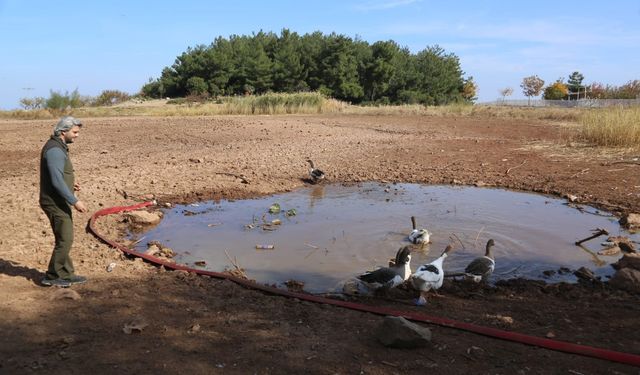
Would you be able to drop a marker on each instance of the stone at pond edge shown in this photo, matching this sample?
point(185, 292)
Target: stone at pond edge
point(145, 217)
point(586, 274)
point(628, 261)
point(136, 325)
point(397, 332)
point(630, 221)
point(627, 279)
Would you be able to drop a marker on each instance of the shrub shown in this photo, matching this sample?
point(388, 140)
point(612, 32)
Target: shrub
point(177, 101)
point(153, 89)
point(555, 91)
point(32, 103)
point(197, 86)
point(111, 97)
point(59, 102)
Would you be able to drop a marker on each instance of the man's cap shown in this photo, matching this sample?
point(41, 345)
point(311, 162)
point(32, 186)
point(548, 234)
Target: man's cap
point(65, 124)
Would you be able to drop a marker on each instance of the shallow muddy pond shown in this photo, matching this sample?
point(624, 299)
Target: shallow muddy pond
point(338, 232)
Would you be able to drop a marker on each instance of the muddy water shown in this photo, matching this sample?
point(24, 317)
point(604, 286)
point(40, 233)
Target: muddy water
point(340, 231)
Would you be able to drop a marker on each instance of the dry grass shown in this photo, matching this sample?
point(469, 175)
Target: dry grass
point(36, 114)
point(315, 103)
point(268, 104)
point(467, 110)
point(614, 126)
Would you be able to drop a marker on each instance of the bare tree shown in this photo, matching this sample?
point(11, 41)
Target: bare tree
point(532, 86)
point(507, 91)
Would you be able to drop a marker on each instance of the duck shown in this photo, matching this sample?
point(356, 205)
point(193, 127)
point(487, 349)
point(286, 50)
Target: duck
point(418, 236)
point(482, 267)
point(385, 278)
point(429, 276)
point(315, 175)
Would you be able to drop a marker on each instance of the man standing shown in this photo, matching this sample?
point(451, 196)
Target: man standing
point(56, 198)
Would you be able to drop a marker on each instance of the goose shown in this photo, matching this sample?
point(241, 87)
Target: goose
point(481, 268)
point(418, 236)
point(429, 276)
point(386, 278)
point(315, 174)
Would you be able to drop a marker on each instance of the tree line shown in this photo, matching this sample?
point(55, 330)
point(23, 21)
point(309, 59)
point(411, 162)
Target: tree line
point(574, 89)
point(335, 65)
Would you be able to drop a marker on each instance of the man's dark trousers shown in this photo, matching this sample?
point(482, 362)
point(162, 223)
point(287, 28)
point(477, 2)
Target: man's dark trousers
point(60, 265)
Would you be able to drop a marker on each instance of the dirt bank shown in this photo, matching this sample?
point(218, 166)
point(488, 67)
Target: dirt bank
point(199, 325)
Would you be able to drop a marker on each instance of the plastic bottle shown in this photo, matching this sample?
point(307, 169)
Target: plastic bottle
point(264, 247)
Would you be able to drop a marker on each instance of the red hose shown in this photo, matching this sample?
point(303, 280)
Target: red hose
point(610, 355)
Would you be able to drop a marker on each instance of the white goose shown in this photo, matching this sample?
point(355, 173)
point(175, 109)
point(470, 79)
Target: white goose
point(315, 175)
point(429, 276)
point(418, 236)
point(482, 267)
point(385, 278)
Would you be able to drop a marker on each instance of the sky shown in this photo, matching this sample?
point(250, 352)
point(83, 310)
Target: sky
point(93, 46)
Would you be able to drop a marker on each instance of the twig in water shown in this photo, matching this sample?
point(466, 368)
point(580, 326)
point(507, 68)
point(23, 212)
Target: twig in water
point(597, 233)
point(138, 240)
point(476, 240)
point(597, 261)
point(463, 248)
point(234, 263)
point(519, 165)
point(311, 246)
point(310, 253)
point(511, 271)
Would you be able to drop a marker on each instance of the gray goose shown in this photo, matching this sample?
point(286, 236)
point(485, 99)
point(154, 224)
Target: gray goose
point(482, 267)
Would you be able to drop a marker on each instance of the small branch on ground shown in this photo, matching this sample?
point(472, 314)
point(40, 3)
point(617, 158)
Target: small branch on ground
point(241, 178)
point(623, 162)
point(519, 165)
point(579, 173)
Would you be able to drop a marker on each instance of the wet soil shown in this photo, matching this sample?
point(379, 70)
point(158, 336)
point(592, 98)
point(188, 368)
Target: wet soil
point(203, 326)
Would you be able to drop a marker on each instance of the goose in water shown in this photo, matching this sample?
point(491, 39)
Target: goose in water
point(429, 276)
point(385, 278)
point(482, 267)
point(418, 236)
point(315, 175)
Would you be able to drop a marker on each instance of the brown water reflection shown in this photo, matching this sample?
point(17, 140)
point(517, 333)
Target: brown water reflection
point(341, 231)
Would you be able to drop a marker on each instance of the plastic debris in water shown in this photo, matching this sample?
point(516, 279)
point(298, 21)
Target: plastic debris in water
point(291, 212)
point(264, 247)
